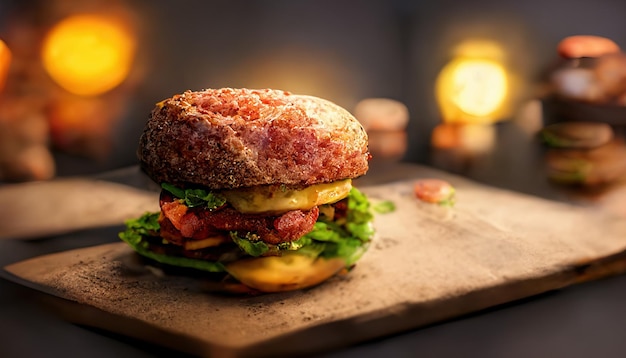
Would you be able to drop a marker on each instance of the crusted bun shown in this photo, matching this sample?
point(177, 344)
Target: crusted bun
point(228, 138)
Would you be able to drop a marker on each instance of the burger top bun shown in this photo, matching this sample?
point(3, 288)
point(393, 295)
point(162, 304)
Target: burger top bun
point(228, 138)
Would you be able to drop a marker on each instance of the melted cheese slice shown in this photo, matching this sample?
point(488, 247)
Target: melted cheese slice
point(273, 198)
point(284, 273)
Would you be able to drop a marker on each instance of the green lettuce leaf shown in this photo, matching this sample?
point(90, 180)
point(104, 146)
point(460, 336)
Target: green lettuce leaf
point(384, 207)
point(196, 197)
point(360, 216)
point(250, 246)
point(139, 230)
point(145, 225)
point(350, 240)
point(327, 232)
point(337, 242)
point(349, 249)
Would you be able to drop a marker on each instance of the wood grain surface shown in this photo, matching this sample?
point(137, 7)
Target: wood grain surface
point(37, 209)
point(427, 264)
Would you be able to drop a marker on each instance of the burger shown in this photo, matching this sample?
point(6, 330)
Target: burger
point(256, 189)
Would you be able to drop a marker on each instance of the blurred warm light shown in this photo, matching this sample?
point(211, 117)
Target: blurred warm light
point(477, 48)
point(474, 86)
point(5, 61)
point(72, 133)
point(459, 147)
point(88, 54)
point(469, 138)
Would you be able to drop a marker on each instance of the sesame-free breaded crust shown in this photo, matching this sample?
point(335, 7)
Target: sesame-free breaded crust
point(229, 138)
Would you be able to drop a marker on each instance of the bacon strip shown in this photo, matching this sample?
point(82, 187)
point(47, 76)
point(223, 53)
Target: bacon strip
point(180, 223)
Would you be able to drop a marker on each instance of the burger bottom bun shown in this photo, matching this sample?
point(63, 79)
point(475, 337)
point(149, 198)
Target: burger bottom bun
point(250, 276)
point(284, 273)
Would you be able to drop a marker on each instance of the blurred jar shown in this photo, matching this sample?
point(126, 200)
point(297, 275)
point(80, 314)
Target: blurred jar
point(385, 121)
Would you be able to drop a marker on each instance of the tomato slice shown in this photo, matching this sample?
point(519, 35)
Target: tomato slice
point(435, 191)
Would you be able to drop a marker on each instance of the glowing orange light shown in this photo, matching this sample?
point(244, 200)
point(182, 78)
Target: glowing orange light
point(470, 138)
point(5, 61)
point(473, 89)
point(88, 54)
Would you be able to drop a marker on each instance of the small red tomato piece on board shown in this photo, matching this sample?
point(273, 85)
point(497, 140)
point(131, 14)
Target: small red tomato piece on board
point(434, 191)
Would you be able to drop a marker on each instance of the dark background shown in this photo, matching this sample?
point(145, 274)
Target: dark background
point(342, 50)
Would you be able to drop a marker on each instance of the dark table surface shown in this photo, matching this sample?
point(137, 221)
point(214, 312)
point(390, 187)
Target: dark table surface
point(586, 320)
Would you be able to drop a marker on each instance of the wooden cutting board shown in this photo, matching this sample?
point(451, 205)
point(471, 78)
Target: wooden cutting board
point(42, 208)
point(427, 264)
